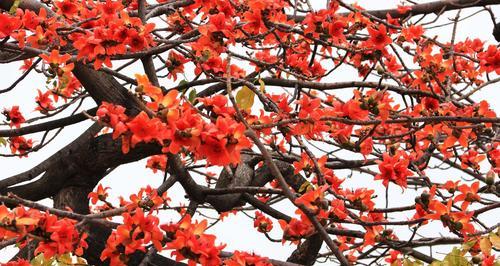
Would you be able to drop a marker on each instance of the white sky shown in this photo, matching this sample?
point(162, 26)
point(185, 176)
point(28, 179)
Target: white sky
point(236, 232)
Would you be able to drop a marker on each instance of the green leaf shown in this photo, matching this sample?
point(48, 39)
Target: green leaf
point(455, 258)
point(182, 83)
point(192, 95)
point(41, 261)
point(245, 98)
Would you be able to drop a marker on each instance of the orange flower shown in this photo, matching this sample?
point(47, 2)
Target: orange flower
point(20, 144)
point(64, 237)
point(455, 221)
point(8, 24)
point(190, 242)
point(246, 259)
point(145, 86)
point(222, 142)
point(262, 223)
point(175, 64)
point(55, 60)
point(295, 229)
point(157, 162)
point(44, 102)
point(472, 159)
point(393, 168)
point(15, 117)
point(378, 37)
point(361, 198)
point(412, 33)
point(468, 194)
point(314, 199)
point(66, 8)
point(338, 209)
point(144, 129)
point(137, 231)
point(100, 194)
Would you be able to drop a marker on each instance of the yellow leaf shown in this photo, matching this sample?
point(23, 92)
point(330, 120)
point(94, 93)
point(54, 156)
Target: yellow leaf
point(485, 245)
point(407, 262)
point(65, 258)
point(262, 85)
point(468, 245)
point(455, 258)
point(41, 261)
point(306, 186)
point(26, 221)
point(245, 98)
point(495, 240)
point(80, 260)
point(14, 7)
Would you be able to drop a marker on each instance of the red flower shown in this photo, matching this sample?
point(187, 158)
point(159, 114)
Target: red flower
point(15, 117)
point(190, 242)
point(490, 59)
point(393, 168)
point(67, 8)
point(144, 129)
point(175, 64)
point(55, 60)
point(222, 142)
point(246, 259)
point(295, 229)
point(361, 198)
point(64, 237)
point(314, 199)
point(412, 33)
point(110, 8)
point(336, 30)
point(44, 102)
point(20, 144)
point(455, 221)
point(111, 114)
point(19, 262)
point(403, 9)
point(157, 162)
point(468, 194)
point(472, 159)
point(262, 223)
point(378, 37)
point(393, 260)
point(8, 24)
point(138, 230)
point(338, 209)
point(136, 41)
point(100, 194)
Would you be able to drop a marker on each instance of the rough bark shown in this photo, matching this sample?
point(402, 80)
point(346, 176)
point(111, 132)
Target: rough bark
point(307, 251)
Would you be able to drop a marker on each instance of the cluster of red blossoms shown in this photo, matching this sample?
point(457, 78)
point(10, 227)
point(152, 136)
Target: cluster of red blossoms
point(206, 128)
point(56, 236)
point(186, 238)
point(178, 127)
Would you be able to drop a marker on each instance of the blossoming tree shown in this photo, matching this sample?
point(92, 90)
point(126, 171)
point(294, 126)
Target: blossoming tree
point(239, 102)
